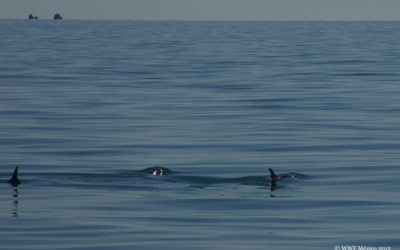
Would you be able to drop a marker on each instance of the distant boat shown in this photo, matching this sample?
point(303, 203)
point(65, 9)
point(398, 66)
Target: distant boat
point(32, 17)
point(57, 17)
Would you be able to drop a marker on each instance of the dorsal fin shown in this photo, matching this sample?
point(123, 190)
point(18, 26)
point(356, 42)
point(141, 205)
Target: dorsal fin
point(14, 179)
point(273, 175)
point(273, 179)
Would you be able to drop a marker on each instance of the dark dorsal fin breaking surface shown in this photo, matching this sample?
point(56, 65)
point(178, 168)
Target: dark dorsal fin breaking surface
point(14, 179)
point(273, 175)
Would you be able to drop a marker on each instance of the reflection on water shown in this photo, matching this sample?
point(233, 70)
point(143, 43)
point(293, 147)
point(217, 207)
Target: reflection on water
point(16, 203)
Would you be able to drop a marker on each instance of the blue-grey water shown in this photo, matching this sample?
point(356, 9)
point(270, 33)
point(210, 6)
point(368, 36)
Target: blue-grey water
point(85, 106)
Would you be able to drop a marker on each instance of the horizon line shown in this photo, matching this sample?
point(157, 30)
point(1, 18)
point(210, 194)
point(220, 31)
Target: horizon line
point(208, 20)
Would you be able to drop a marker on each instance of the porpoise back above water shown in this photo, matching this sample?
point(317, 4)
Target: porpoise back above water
point(274, 177)
point(280, 176)
point(160, 171)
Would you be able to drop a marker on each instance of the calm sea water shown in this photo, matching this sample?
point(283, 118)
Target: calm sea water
point(86, 105)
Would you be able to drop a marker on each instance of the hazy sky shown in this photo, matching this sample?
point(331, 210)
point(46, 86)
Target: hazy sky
point(205, 9)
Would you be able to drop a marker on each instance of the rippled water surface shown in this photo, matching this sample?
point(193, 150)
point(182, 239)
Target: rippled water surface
point(86, 106)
